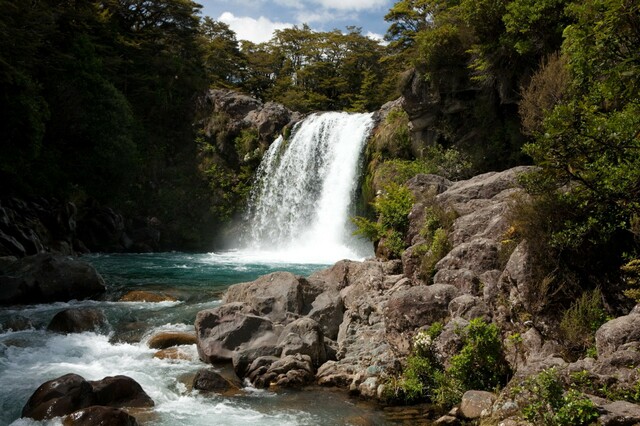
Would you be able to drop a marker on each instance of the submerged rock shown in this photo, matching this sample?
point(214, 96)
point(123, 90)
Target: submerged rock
point(167, 339)
point(146, 296)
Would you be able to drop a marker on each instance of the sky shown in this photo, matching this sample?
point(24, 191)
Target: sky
point(255, 20)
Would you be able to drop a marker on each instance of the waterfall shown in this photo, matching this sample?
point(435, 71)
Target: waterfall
point(304, 192)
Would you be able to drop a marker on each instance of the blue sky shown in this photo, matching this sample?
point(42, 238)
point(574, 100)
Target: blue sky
point(255, 20)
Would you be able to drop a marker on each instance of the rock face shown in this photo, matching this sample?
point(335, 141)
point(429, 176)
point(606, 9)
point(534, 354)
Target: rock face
point(45, 278)
point(70, 393)
point(32, 226)
point(232, 112)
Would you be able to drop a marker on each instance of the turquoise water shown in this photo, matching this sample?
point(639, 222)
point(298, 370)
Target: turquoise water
point(30, 357)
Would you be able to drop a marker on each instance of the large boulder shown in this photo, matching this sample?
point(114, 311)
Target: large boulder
point(617, 332)
point(120, 391)
point(280, 296)
point(476, 404)
point(229, 328)
point(45, 278)
point(304, 336)
point(59, 397)
point(78, 321)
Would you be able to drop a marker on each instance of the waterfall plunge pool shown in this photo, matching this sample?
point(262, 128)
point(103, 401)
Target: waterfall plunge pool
point(29, 358)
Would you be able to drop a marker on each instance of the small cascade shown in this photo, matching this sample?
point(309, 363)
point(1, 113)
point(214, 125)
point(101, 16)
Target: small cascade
point(304, 193)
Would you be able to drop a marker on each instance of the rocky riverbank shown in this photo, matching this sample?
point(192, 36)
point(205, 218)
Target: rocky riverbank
point(353, 324)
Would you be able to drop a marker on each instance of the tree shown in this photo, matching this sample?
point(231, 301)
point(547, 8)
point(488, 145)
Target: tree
point(224, 62)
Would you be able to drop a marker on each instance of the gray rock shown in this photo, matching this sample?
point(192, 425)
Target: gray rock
point(327, 310)
point(469, 307)
point(620, 413)
point(478, 255)
point(304, 337)
point(476, 404)
point(228, 328)
point(413, 308)
point(617, 332)
point(278, 296)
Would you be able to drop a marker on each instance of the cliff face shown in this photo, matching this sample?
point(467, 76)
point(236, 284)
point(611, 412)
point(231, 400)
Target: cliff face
point(480, 120)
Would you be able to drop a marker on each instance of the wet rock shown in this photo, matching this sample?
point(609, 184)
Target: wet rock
point(146, 296)
point(100, 416)
point(476, 404)
point(167, 339)
point(46, 278)
point(78, 321)
point(174, 353)
point(17, 323)
point(101, 229)
point(59, 397)
point(209, 380)
point(120, 391)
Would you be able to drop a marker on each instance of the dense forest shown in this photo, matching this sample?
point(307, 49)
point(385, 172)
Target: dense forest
point(100, 98)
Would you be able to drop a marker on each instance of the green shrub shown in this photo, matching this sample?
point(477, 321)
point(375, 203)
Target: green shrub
point(435, 230)
point(581, 321)
point(548, 404)
point(438, 249)
point(392, 138)
point(392, 210)
point(246, 143)
point(480, 364)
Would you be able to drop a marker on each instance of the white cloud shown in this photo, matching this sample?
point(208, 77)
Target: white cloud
point(255, 30)
point(358, 5)
point(377, 37)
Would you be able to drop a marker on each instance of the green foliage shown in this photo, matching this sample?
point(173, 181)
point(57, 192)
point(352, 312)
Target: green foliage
point(631, 277)
point(548, 404)
point(392, 210)
point(435, 230)
point(246, 143)
point(580, 322)
point(391, 138)
point(479, 365)
point(588, 145)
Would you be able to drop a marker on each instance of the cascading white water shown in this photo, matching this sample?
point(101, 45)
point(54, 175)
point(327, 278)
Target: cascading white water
point(305, 187)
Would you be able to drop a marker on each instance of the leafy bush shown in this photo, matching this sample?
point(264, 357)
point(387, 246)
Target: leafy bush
point(631, 277)
point(548, 404)
point(392, 209)
point(480, 364)
point(392, 138)
point(246, 143)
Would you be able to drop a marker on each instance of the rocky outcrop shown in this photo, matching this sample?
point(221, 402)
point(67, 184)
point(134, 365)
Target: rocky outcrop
point(69, 393)
point(45, 278)
point(229, 113)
